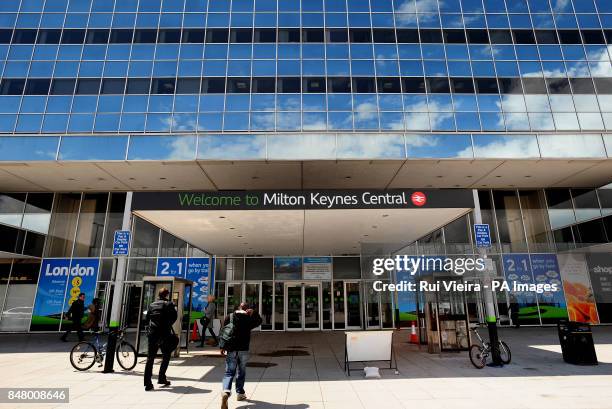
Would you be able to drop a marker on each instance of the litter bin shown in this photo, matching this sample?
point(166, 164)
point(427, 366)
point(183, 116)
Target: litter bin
point(577, 344)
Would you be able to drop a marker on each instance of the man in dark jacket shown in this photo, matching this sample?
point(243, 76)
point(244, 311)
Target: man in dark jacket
point(237, 353)
point(75, 313)
point(160, 317)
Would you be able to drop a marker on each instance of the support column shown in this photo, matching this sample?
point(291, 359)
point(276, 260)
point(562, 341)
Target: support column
point(487, 290)
point(120, 274)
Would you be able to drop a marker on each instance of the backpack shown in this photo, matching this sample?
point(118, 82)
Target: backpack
point(226, 335)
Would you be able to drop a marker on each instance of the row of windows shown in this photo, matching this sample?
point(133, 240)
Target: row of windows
point(311, 35)
point(471, 6)
point(235, 85)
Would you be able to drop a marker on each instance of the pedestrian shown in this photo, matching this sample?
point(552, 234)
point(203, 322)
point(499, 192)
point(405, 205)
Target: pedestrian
point(514, 312)
point(75, 314)
point(160, 335)
point(94, 316)
point(236, 349)
point(207, 320)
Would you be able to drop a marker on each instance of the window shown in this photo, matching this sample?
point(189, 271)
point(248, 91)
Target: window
point(258, 269)
point(5, 36)
point(438, 85)
point(414, 85)
point(113, 86)
point(510, 85)
point(314, 84)
point(63, 86)
point(534, 85)
point(593, 37)
point(188, 86)
point(97, 36)
point(384, 35)
point(431, 36)
point(487, 86)
point(163, 86)
point(88, 86)
point(408, 36)
point(364, 85)
point(462, 85)
point(360, 35)
point(145, 240)
point(523, 37)
point(389, 85)
point(265, 35)
point(338, 36)
point(145, 36)
point(24, 37)
point(195, 36)
point(49, 36)
point(583, 85)
point(37, 86)
point(289, 85)
point(213, 86)
point(500, 36)
point(138, 85)
point(313, 35)
point(558, 86)
point(169, 36)
point(546, 37)
point(454, 36)
point(121, 36)
point(91, 225)
point(478, 36)
point(239, 85)
point(288, 35)
point(339, 85)
point(73, 36)
point(264, 85)
point(570, 37)
point(217, 36)
point(241, 36)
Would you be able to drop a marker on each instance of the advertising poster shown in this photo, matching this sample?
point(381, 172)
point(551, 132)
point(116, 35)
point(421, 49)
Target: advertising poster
point(287, 268)
point(600, 271)
point(581, 305)
point(406, 300)
point(198, 271)
point(83, 278)
point(518, 269)
point(47, 312)
point(171, 267)
point(317, 268)
point(546, 271)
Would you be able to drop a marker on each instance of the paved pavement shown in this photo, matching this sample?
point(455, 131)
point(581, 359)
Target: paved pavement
point(305, 370)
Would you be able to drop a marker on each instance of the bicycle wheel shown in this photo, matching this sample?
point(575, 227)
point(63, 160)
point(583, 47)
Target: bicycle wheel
point(477, 358)
point(504, 352)
point(126, 355)
point(83, 356)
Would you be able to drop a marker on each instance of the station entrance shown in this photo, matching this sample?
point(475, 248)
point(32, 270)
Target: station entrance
point(303, 258)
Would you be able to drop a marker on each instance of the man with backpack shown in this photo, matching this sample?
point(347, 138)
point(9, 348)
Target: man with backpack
point(160, 335)
point(234, 340)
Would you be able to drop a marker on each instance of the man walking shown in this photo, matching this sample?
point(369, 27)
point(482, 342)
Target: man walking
point(75, 313)
point(207, 320)
point(160, 317)
point(243, 320)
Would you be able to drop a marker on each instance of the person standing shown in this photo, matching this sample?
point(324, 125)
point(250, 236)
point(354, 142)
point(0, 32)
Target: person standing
point(236, 350)
point(94, 316)
point(160, 335)
point(75, 313)
point(207, 320)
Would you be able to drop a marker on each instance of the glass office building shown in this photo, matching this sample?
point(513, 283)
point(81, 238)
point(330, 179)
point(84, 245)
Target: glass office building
point(103, 97)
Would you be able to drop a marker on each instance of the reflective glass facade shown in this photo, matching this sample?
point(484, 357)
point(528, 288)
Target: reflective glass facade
point(89, 66)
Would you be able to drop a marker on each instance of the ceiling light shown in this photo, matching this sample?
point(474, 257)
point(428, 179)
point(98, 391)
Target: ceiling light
point(375, 227)
point(498, 176)
point(232, 228)
point(162, 178)
point(240, 237)
point(528, 176)
point(348, 177)
point(221, 217)
point(71, 179)
point(132, 178)
point(469, 176)
point(255, 177)
point(439, 177)
point(385, 215)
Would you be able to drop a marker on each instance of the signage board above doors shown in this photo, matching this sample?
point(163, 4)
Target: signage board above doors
point(304, 199)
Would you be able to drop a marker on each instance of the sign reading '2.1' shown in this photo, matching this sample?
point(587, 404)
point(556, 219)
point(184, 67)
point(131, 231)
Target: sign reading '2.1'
point(171, 267)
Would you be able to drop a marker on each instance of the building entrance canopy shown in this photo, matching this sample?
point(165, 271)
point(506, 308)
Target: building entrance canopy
point(322, 222)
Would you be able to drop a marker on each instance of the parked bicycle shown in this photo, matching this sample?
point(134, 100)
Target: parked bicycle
point(86, 353)
point(479, 353)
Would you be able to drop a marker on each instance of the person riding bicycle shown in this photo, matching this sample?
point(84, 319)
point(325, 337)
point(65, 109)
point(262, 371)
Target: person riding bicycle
point(160, 317)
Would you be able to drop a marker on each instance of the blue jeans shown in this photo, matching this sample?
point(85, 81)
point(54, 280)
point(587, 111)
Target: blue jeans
point(235, 361)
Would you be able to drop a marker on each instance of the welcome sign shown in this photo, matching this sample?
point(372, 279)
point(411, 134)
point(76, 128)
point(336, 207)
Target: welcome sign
point(304, 199)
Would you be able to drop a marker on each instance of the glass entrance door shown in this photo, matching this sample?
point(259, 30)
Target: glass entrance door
point(302, 306)
point(233, 297)
point(352, 300)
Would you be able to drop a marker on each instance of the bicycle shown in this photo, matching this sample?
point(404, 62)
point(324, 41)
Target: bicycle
point(480, 353)
point(86, 353)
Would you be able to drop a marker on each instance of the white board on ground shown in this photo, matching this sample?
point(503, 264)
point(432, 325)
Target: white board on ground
point(363, 346)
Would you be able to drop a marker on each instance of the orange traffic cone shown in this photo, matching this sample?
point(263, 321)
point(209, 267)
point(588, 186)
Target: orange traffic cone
point(413, 335)
point(194, 333)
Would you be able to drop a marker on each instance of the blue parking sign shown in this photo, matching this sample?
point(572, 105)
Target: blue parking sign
point(121, 243)
point(482, 234)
